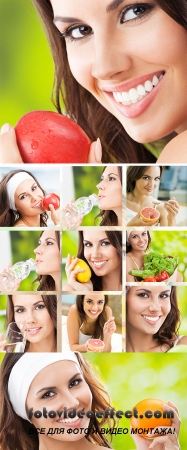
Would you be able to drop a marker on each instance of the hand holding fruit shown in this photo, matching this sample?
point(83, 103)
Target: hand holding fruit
point(47, 137)
point(78, 274)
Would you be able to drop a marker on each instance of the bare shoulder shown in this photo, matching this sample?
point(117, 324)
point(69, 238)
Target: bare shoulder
point(182, 341)
point(175, 151)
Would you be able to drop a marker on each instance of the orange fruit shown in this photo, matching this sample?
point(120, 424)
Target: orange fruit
point(85, 276)
point(95, 344)
point(153, 405)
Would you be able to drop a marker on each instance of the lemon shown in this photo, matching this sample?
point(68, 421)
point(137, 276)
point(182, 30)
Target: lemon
point(85, 276)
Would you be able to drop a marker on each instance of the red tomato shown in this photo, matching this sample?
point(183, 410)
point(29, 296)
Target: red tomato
point(51, 199)
point(149, 279)
point(49, 137)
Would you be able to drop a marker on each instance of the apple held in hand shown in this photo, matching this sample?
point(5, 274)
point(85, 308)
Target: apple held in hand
point(50, 199)
point(49, 137)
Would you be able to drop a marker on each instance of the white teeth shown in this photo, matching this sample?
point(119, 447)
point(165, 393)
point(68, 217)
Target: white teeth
point(136, 94)
point(68, 420)
point(155, 80)
point(99, 263)
point(152, 319)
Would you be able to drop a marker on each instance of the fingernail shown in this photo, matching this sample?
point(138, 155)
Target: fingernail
point(98, 150)
point(5, 128)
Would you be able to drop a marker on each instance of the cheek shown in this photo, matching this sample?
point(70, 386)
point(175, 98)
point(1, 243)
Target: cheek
point(81, 66)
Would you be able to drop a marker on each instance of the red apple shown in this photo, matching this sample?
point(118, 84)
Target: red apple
point(49, 137)
point(50, 199)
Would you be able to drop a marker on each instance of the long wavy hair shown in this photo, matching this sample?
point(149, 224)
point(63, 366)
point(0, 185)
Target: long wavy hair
point(134, 173)
point(109, 217)
point(98, 332)
point(168, 331)
point(50, 302)
point(20, 434)
point(115, 238)
point(7, 216)
point(47, 282)
point(81, 106)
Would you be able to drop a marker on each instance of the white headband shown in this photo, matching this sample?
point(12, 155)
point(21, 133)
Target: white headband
point(25, 370)
point(12, 185)
point(134, 229)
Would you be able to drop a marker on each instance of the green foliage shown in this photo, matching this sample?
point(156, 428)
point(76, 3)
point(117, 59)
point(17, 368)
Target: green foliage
point(23, 244)
point(85, 181)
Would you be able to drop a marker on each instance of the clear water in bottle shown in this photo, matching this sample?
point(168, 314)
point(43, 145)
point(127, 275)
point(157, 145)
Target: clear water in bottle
point(18, 271)
point(80, 207)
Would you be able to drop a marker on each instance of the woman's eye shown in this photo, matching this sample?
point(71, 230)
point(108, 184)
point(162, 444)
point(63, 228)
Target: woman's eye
point(87, 244)
point(143, 294)
point(49, 243)
point(40, 306)
point(145, 178)
point(78, 32)
point(48, 394)
point(157, 179)
point(112, 178)
point(34, 187)
point(164, 296)
point(105, 243)
point(101, 302)
point(20, 310)
point(75, 382)
point(136, 11)
point(23, 196)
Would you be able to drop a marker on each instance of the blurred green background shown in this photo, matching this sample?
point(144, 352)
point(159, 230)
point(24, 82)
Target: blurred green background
point(171, 243)
point(26, 75)
point(130, 378)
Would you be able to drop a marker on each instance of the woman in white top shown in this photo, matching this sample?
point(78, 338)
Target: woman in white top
point(141, 182)
point(152, 319)
point(91, 317)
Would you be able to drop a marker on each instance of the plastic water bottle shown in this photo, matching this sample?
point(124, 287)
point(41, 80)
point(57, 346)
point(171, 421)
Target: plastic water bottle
point(18, 271)
point(80, 207)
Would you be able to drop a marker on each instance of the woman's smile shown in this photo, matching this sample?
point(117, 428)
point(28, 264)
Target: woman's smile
point(132, 59)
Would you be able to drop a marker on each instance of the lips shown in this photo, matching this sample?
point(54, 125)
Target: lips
point(134, 97)
point(151, 320)
point(99, 264)
point(75, 422)
point(38, 261)
point(38, 205)
point(93, 312)
point(100, 197)
point(33, 331)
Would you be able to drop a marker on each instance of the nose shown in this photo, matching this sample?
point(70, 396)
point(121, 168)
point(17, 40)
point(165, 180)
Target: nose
point(101, 185)
point(30, 317)
point(151, 182)
point(110, 59)
point(69, 400)
point(155, 304)
point(38, 250)
point(96, 252)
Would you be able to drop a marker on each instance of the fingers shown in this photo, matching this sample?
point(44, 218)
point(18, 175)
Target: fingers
point(9, 152)
point(172, 206)
point(168, 442)
point(95, 153)
point(55, 214)
point(109, 326)
point(176, 419)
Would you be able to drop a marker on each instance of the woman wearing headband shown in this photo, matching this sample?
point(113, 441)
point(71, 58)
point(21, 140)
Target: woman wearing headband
point(152, 319)
point(32, 385)
point(21, 201)
point(138, 243)
point(39, 315)
point(141, 182)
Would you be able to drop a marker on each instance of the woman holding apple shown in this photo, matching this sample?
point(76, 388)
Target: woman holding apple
point(115, 77)
point(24, 202)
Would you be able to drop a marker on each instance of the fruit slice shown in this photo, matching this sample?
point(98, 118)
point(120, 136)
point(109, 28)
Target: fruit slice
point(85, 276)
point(95, 345)
point(149, 215)
point(49, 137)
point(154, 406)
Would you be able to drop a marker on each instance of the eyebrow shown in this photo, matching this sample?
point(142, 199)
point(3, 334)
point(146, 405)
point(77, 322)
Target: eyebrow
point(101, 240)
point(47, 388)
point(26, 191)
point(45, 240)
point(36, 303)
point(109, 8)
point(148, 290)
point(112, 173)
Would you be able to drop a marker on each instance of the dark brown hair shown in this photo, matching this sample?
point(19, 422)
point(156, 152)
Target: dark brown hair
point(169, 329)
point(7, 216)
point(110, 217)
point(128, 245)
point(115, 238)
point(47, 282)
point(50, 302)
point(15, 430)
point(82, 107)
point(134, 173)
point(98, 332)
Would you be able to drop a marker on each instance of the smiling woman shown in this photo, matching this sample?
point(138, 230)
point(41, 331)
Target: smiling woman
point(116, 65)
point(21, 201)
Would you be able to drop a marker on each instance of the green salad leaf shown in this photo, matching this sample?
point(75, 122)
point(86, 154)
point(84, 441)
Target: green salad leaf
point(155, 263)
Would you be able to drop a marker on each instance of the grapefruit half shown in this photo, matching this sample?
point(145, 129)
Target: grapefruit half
point(95, 345)
point(149, 215)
